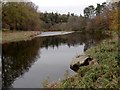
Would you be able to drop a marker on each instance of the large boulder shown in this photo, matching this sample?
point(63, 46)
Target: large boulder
point(82, 60)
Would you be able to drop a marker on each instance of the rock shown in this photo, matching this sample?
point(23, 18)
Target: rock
point(82, 60)
point(93, 62)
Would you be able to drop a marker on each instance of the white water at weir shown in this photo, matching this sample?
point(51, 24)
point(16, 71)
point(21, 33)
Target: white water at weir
point(53, 33)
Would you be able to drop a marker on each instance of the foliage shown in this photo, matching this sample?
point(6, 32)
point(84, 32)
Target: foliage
point(103, 17)
point(20, 16)
point(89, 11)
point(115, 16)
point(24, 16)
point(51, 20)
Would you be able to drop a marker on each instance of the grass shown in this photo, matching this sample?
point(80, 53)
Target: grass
point(14, 36)
point(105, 74)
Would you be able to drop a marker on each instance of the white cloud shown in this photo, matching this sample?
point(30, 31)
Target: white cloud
point(58, 3)
point(64, 6)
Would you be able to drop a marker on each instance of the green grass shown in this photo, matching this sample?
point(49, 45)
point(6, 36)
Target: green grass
point(103, 75)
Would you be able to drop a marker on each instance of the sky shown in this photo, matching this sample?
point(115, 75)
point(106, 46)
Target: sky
point(65, 6)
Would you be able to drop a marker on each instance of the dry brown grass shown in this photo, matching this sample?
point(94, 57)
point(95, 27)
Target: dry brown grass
point(13, 36)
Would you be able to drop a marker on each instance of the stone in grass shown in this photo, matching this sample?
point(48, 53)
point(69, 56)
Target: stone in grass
point(82, 60)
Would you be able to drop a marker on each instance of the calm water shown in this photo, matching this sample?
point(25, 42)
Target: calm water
point(27, 64)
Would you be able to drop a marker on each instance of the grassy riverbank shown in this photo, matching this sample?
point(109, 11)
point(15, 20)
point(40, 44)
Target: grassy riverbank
point(13, 36)
point(105, 74)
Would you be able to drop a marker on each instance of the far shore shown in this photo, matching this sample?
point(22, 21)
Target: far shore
point(15, 36)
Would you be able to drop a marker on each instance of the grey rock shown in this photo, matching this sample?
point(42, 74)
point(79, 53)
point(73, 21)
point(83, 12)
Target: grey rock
point(82, 60)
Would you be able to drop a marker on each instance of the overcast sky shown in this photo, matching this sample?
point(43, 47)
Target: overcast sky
point(65, 6)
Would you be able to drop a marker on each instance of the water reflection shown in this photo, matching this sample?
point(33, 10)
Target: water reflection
point(17, 58)
point(73, 39)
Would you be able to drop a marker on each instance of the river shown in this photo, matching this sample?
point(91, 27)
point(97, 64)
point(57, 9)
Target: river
point(27, 64)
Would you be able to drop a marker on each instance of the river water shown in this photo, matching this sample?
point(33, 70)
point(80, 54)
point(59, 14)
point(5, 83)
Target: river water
point(27, 64)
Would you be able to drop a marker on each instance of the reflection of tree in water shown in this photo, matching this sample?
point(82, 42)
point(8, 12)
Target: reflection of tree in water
point(17, 58)
point(73, 39)
point(94, 38)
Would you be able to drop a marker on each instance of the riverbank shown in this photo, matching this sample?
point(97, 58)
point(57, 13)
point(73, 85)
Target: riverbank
point(105, 74)
point(14, 36)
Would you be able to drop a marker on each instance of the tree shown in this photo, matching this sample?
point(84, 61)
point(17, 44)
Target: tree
point(20, 16)
point(99, 8)
point(115, 16)
point(86, 12)
point(89, 11)
point(52, 20)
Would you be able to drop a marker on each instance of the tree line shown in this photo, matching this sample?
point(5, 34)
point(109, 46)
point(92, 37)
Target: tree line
point(25, 16)
point(100, 18)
